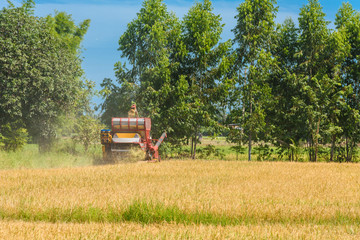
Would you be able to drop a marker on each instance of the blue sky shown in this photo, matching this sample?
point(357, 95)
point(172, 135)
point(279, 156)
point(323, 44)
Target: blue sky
point(109, 19)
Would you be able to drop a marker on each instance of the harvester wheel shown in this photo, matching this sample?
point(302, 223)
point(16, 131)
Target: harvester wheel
point(107, 155)
point(148, 156)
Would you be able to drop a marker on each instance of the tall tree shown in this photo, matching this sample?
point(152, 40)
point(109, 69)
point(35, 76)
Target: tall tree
point(204, 65)
point(287, 113)
point(39, 77)
point(150, 44)
point(175, 72)
point(71, 35)
point(348, 22)
point(253, 32)
point(313, 38)
point(333, 91)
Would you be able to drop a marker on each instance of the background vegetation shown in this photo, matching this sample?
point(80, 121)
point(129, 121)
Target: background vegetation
point(289, 85)
point(292, 89)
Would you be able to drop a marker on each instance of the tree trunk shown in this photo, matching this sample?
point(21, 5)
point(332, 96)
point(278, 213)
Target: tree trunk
point(192, 146)
point(45, 143)
point(309, 147)
point(249, 153)
point(317, 140)
point(353, 144)
point(250, 115)
point(250, 134)
point(250, 131)
point(195, 148)
point(347, 148)
point(333, 139)
point(241, 127)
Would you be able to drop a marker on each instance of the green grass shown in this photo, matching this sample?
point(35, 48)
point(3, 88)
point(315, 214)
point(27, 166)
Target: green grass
point(150, 213)
point(64, 154)
point(219, 149)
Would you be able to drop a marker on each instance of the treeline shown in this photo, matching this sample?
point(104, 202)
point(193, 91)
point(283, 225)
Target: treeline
point(285, 84)
point(43, 92)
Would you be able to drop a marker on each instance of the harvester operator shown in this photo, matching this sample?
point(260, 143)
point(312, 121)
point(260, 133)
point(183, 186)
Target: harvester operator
point(133, 113)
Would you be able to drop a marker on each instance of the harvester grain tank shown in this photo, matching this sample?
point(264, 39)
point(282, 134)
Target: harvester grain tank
point(126, 133)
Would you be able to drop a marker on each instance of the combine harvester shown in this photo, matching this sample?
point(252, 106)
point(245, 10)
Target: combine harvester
point(126, 133)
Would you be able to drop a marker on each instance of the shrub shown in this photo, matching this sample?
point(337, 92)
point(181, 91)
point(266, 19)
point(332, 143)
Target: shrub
point(13, 137)
point(87, 131)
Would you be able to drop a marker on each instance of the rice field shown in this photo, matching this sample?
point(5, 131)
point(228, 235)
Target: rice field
point(182, 199)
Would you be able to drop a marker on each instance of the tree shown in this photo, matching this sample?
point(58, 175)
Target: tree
point(204, 66)
point(63, 27)
point(176, 70)
point(152, 46)
point(348, 23)
point(116, 100)
point(253, 32)
point(40, 77)
point(313, 39)
point(286, 114)
point(87, 131)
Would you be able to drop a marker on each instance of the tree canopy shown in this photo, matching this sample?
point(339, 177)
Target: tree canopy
point(285, 84)
point(40, 70)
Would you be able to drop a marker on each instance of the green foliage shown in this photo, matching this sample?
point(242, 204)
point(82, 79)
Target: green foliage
point(165, 78)
point(255, 23)
point(205, 66)
point(293, 151)
point(265, 152)
point(286, 113)
point(313, 38)
point(253, 35)
point(13, 136)
point(348, 25)
point(87, 131)
point(40, 73)
point(239, 149)
point(149, 44)
point(63, 27)
point(284, 84)
point(211, 151)
point(117, 100)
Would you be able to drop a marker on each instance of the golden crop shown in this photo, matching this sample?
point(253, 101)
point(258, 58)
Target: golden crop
point(255, 200)
point(43, 230)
